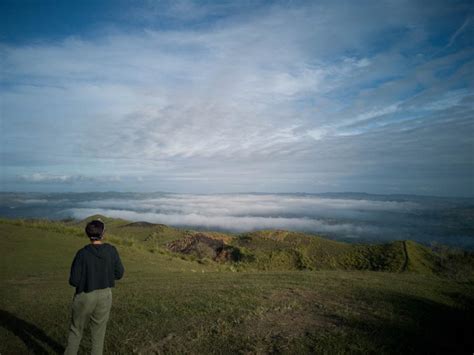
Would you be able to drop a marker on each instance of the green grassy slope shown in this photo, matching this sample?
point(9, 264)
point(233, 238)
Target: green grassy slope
point(166, 304)
point(283, 250)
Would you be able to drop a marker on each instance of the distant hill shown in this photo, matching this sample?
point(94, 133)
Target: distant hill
point(286, 250)
point(276, 250)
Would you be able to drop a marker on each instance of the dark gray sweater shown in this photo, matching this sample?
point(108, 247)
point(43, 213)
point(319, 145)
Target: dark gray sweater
point(95, 267)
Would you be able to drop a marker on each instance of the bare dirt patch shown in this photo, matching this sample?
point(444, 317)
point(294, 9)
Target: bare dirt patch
point(205, 246)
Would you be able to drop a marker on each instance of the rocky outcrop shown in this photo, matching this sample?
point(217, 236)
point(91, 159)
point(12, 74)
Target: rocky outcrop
point(205, 246)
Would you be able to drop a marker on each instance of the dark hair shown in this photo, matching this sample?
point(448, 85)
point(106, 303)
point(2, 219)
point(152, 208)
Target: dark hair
point(95, 229)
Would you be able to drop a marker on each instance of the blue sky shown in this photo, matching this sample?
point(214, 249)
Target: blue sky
point(289, 96)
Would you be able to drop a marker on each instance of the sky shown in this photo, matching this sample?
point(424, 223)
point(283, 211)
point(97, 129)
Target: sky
point(237, 96)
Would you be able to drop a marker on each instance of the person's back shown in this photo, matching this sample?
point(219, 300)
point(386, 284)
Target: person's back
point(93, 273)
point(96, 266)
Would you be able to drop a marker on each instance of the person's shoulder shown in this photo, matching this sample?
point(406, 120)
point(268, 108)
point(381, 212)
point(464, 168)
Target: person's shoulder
point(110, 246)
point(81, 251)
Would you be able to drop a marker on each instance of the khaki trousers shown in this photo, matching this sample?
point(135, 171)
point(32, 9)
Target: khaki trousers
point(94, 307)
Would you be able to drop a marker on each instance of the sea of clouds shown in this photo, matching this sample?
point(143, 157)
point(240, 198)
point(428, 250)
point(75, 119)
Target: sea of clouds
point(356, 217)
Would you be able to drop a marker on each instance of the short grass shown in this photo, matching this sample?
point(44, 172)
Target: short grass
point(166, 304)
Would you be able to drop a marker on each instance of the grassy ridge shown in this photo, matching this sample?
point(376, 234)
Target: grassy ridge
point(285, 250)
point(280, 250)
point(170, 304)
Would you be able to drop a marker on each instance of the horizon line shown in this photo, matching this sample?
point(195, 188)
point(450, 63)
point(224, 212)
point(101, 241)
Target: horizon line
point(241, 193)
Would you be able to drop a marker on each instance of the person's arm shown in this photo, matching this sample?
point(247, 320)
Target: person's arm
point(118, 267)
point(76, 270)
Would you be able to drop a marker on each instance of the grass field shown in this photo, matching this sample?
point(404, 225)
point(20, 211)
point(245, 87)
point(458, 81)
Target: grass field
point(168, 303)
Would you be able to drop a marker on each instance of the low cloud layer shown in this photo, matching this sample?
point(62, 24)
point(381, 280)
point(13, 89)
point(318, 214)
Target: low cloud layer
point(232, 223)
point(247, 204)
point(357, 217)
point(247, 212)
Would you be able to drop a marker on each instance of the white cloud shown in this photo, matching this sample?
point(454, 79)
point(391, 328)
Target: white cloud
point(461, 29)
point(65, 179)
point(232, 223)
point(369, 217)
point(245, 212)
point(244, 204)
point(247, 101)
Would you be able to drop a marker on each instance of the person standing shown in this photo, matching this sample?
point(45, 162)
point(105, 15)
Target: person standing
point(93, 273)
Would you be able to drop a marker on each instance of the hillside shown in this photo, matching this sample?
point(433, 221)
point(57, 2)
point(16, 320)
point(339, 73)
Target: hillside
point(285, 250)
point(286, 293)
point(288, 250)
